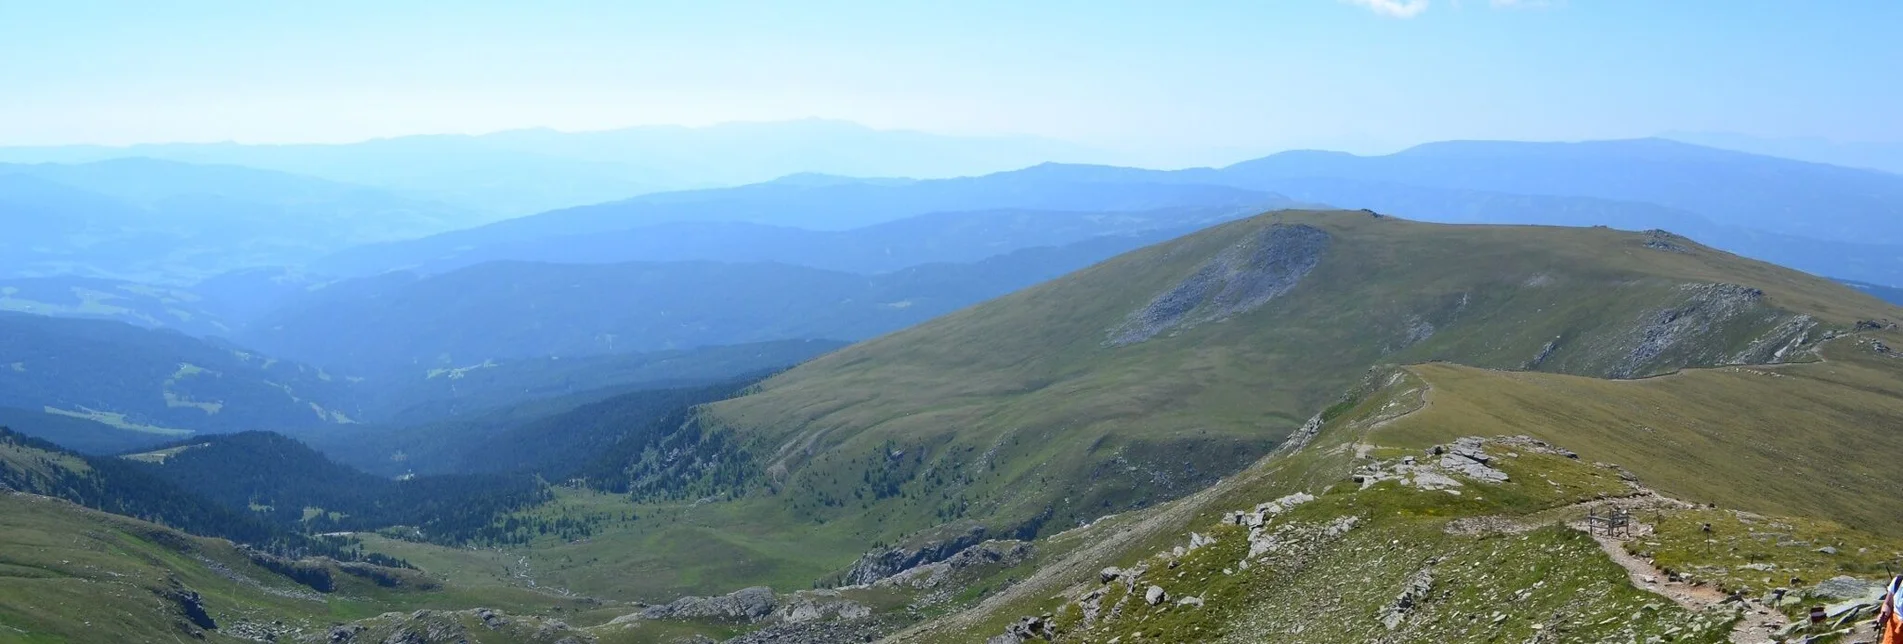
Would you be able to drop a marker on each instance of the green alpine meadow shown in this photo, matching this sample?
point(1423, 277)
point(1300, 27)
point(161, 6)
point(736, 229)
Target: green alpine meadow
point(815, 322)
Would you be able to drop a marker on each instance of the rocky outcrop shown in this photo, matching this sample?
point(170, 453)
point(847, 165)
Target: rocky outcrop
point(1467, 457)
point(1241, 278)
point(1656, 239)
point(885, 562)
point(745, 605)
point(452, 627)
point(817, 605)
point(190, 606)
point(1026, 629)
point(932, 575)
point(1412, 595)
point(1682, 334)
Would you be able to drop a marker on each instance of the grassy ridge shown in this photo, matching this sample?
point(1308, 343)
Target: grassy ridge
point(1815, 440)
point(1705, 431)
point(1017, 407)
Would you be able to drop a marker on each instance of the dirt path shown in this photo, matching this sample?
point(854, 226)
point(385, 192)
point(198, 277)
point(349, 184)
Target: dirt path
point(1756, 627)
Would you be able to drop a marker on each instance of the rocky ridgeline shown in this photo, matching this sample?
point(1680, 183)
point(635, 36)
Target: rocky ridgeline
point(1685, 328)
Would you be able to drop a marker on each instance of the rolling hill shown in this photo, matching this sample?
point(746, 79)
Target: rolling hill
point(1337, 375)
point(521, 172)
point(1148, 376)
point(1824, 219)
point(158, 381)
point(411, 325)
point(944, 237)
point(1377, 525)
point(820, 206)
point(1783, 196)
point(133, 303)
point(1153, 375)
point(173, 222)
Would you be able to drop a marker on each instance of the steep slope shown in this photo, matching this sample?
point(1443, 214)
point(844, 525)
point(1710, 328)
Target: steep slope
point(288, 484)
point(157, 380)
point(1148, 376)
point(79, 434)
point(411, 325)
point(557, 437)
point(476, 388)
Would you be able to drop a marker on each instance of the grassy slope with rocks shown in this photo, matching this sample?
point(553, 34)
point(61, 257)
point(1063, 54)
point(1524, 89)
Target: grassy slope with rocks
point(1017, 411)
point(1023, 409)
point(1311, 585)
point(992, 415)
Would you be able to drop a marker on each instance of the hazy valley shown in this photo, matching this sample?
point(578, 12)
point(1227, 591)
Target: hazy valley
point(310, 333)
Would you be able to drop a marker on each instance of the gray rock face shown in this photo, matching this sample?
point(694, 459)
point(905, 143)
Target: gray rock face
point(191, 606)
point(747, 604)
point(1156, 595)
point(1237, 280)
point(932, 575)
point(1656, 239)
point(816, 605)
point(1846, 587)
point(1416, 591)
point(1465, 457)
point(879, 564)
point(1704, 309)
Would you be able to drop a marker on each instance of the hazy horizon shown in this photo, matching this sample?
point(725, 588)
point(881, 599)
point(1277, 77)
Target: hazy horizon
point(1364, 76)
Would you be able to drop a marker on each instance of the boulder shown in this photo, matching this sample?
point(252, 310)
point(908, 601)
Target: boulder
point(1155, 595)
point(1845, 587)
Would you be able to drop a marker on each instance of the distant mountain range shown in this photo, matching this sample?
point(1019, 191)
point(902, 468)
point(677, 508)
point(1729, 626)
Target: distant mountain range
point(1825, 219)
point(165, 221)
point(158, 381)
point(520, 172)
point(409, 323)
point(1046, 209)
point(1873, 155)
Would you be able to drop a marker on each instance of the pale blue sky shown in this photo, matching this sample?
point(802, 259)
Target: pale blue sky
point(1260, 73)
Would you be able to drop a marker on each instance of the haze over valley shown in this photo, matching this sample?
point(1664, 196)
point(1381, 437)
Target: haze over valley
point(1316, 321)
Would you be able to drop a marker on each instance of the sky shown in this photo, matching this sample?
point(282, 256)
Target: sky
point(1342, 74)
